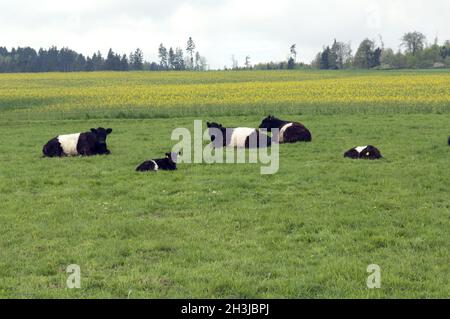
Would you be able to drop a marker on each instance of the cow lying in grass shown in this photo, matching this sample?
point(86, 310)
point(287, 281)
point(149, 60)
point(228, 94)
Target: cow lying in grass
point(364, 152)
point(85, 144)
point(237, 137)
point(169, 163)
point(289, 132)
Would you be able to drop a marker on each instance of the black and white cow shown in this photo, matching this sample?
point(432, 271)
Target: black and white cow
point(169, 163)
point(449, 141)
point(237, 137)
point(289, 132)
point(364, 152)
point(85, 144)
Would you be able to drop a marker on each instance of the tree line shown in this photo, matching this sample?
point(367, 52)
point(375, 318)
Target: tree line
point(27, 59)
point(174, 59)
point(416, 54)
point(370, 54)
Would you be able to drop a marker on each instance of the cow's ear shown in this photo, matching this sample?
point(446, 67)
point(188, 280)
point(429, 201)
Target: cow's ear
point(109, 131)
point(93, 130)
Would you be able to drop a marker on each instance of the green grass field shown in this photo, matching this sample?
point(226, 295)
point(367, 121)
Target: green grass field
point(224, 230)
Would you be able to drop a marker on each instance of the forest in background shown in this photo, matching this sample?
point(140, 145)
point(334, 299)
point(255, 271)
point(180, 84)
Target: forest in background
point(414, 53)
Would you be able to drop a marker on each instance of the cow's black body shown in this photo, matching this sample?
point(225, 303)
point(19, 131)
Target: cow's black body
point(297, 132)
point(369, 152)
point(89, 143)
point(169, 163)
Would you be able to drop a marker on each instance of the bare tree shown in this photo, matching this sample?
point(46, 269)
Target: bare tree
point(234, 62)
point(343, 53)
point(380, 38)
point(202, 64)
point(247, 62)
point(293, 52)
point(197, 61)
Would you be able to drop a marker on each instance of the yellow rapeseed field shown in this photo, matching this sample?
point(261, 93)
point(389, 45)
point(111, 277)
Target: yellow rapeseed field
point(250, 90)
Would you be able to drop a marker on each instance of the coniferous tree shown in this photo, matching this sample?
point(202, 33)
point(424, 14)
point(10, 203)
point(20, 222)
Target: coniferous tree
point(124, 63)
point(291, 63)
point(324, 59)
point(89, 65)
point(138, 60)
point(98, 61)
point(153, 66)
point(171, 59)
point(163, 57)
point(333, 56)
point(109, 62)
point(179, 60)
point(190, 49)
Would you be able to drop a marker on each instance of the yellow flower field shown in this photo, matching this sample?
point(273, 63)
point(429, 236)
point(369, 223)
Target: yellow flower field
point(91, 92)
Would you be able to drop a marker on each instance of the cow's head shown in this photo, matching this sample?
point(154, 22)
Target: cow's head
point(370, 152)
point(213, 125)
point(215, 129)
point(173, 156)
point(268, 122)
point(100, 139)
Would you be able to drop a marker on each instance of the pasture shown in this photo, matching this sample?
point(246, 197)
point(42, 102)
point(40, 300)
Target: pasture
point(224, 230)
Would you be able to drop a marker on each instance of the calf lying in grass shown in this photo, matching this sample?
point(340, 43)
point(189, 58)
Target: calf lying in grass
point(169, 163)
point(364, 152)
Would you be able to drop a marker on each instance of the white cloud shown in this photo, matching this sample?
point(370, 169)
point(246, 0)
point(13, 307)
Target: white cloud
point(263, 29)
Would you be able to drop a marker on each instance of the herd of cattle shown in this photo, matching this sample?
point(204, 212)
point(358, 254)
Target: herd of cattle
point(94, 142)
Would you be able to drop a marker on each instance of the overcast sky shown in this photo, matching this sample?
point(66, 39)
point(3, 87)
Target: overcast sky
point(262, 29)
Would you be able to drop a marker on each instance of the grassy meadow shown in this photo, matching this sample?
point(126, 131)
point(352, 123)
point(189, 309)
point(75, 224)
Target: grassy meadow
point(225, 230)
